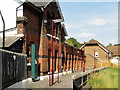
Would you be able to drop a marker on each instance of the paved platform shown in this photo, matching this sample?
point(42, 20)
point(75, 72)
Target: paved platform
point(65, 82)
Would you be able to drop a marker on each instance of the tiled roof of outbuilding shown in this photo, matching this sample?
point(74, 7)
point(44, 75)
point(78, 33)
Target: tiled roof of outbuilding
point(115, 50)
point(93, 41)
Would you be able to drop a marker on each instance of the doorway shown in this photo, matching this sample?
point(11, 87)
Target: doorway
point(49, 54)
point(56, 53)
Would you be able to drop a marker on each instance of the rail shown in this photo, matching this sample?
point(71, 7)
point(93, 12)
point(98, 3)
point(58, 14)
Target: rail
point(9, 30)
point(79, 81)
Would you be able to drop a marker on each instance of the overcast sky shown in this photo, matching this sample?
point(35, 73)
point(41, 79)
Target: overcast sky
point(83, 20)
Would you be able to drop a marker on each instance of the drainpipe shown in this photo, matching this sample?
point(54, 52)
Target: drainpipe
point(3, 29)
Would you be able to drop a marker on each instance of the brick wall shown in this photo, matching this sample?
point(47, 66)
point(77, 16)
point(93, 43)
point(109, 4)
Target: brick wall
point(35, 30)
point(90, 50)
point(33, 27)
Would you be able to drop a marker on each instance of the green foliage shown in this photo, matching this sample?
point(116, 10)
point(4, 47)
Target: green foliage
point(116, 44)
point(110, 44)
point(113, 45)
point(69, 42)
point(105, 79)
point(74, 42)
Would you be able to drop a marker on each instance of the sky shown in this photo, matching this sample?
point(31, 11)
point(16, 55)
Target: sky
point(91, 19)
point(8, 9)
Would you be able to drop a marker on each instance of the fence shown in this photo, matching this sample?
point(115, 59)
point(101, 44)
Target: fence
point(13, 67)
point(103, 64)
point(115, 65)
point(80, 81)
point(108, 64)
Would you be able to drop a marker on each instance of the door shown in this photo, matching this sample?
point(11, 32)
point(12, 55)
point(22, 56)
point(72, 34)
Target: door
point(49, 53)
point(56, 52)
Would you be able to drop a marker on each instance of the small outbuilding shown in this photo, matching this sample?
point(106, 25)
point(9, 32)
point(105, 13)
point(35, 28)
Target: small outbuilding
point(96, 54)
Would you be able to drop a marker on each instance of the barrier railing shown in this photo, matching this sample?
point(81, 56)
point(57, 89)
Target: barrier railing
point(13, 68)
point(114, 65)
point(79, 81)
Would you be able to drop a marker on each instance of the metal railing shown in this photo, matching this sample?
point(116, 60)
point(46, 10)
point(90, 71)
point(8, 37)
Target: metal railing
point(79, 81)
point(9, 30)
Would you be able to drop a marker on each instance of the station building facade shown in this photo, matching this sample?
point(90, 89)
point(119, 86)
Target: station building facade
point(37, 26)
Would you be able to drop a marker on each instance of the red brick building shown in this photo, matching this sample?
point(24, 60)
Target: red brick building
point(115, 51)
point(96, 54)
point(36, 26)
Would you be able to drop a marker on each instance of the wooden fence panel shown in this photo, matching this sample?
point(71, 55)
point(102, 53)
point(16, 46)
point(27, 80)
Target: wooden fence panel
point(13, 67)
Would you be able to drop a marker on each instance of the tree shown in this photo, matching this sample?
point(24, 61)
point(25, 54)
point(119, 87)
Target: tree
point(113, 45)
point(116, 44)
point(73, 42)
point(110, 44)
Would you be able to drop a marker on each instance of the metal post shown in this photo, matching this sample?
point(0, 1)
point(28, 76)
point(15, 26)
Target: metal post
point(52, 52)
point(36, 61)
point(34, 66)
point(49, 73)
point(3, 29)
point(94, 59)
point(72, 59)
point(81, 64)
point(84, 66)
point(72, 63)
point(58, 66)
point(33, 61)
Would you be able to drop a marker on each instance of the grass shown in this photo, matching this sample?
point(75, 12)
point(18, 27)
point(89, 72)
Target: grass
point(105, 78)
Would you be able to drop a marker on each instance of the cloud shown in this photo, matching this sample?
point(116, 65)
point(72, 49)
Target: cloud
point(86, 35)
point(112, 41)
point(97, 22)
point(91, 24)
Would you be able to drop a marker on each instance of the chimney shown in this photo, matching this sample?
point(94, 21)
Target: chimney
point(21, 23)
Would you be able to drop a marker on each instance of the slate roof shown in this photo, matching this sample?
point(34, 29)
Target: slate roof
point(92, 41)
point(40, 3)
point(9, 40)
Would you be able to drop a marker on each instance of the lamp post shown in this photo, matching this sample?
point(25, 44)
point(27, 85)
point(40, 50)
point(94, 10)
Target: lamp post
point(3, 29)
